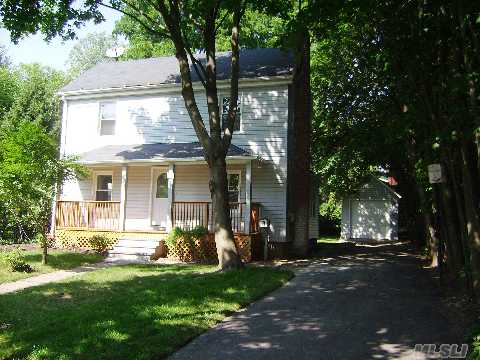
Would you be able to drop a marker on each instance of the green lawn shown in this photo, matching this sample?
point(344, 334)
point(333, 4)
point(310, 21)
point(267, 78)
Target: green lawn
point(57, 260)
point(126, 312)
point(328, 240)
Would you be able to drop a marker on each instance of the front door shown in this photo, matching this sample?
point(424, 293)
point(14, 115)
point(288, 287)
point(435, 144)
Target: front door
point(160, 208)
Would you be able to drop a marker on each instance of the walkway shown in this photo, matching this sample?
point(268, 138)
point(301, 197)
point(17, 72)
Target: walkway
point(374, 304)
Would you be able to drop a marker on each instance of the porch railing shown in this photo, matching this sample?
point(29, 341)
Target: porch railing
point(105, 215)
point(189, 214)
point(102, 215)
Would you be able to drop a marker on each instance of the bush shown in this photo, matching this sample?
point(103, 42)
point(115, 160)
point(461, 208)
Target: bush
point(473, 339)
point(189, 236)
point(15, 261)
point(99, 243)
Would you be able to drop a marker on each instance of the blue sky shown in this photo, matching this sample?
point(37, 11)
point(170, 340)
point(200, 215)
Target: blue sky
point(55, 53)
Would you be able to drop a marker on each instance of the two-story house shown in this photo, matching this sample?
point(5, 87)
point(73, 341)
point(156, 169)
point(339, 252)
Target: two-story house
point(126, 121)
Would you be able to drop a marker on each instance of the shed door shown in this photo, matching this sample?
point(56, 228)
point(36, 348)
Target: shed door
point(371, 219)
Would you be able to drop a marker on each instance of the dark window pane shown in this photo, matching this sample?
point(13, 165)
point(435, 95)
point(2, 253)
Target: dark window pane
point(162, 186)
point(233, 196)
point(104, 182)
point(103, 195)
point(225, 107)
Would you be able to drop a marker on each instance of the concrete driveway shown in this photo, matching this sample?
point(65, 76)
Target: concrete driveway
point(375, 303)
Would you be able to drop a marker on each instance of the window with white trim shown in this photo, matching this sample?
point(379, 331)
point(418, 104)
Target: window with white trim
point(233, 179)
point(103, 187)
point(225, 108)
point(107, 118)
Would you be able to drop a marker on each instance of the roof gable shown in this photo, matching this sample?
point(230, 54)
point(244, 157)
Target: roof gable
point(164, 70)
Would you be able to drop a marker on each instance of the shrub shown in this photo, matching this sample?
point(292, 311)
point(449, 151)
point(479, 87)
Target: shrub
point(99, 243)
point(473, 339)
point(15, 261)
point(187, 236)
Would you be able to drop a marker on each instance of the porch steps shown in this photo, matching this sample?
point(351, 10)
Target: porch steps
point(133, 249)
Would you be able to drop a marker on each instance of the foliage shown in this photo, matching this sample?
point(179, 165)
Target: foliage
point(41, 240)
point(57, 260)
point(29, 171)
point(330, 212)
point(36, 98)
point(89, 51)
point(258, 30)
point(146, 311)
point(473, 339)
point(188, 236)
point(15, 261)
point(99, 243)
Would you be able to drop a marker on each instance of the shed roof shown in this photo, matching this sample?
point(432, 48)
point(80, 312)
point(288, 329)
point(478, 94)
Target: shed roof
point(164, 70)
point(149, 152)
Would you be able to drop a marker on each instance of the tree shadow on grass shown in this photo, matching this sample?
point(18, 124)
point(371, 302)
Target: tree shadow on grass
point(64, 260)
point(115, 314)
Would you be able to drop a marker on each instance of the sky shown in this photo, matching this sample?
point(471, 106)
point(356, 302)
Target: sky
point(54, 54)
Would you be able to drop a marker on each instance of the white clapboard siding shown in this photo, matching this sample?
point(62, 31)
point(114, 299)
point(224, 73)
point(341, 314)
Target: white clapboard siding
point(163, 118)
point(83, 189)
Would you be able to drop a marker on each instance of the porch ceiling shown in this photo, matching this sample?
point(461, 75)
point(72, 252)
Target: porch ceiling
point(154, 152)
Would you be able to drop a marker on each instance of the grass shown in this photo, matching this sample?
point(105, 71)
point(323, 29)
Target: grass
point(126, 312)
point(57, 260)
point(328, 240)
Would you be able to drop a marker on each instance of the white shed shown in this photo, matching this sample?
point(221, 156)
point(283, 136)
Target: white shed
point(371, 213)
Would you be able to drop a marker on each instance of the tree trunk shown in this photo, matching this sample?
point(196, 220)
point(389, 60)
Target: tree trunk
point(228, 257)
point(471, 216)
point(45, 252)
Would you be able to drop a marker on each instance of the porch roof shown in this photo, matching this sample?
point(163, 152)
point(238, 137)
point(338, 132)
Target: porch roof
point(154, 152)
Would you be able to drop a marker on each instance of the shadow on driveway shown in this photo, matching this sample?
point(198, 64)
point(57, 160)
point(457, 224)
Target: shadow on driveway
point(366, 303)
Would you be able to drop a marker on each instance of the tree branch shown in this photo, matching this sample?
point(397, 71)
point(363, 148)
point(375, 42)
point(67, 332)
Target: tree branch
point(172, 21)
point(137, 19)
point(235, 73)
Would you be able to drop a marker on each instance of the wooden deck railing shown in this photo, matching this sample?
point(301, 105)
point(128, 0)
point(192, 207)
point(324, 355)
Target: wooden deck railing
point(189, 214)
point(102, 215)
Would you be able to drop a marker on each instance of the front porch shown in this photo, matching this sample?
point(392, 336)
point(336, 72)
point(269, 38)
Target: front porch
point(106, 216)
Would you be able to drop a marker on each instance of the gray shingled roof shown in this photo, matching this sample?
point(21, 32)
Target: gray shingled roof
point(164, 70)
point(159, 151)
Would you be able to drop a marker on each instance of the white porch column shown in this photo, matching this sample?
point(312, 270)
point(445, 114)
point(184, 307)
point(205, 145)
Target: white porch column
point(123, 197)
point(248, 195)
point(171, 179)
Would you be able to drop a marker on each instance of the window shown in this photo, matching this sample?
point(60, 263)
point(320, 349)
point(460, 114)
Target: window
point(225, 107)
point(107, 118)
point(104, 185)
point(162, 187)
point(233, 186)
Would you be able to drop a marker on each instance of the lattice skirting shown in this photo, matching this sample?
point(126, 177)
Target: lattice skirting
point(206, 251)
point(77, 238)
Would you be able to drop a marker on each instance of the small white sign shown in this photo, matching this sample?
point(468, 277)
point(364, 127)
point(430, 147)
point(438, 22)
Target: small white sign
point(435, 173)
point(263, 223)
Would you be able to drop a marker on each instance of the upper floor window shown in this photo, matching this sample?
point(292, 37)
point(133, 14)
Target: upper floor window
point(107, 118)
point(103, 188)
point(225, 108)
point(233, 187)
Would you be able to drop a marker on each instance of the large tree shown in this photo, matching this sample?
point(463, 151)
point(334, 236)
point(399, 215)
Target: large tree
point(89, 51)
point(190, 26)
